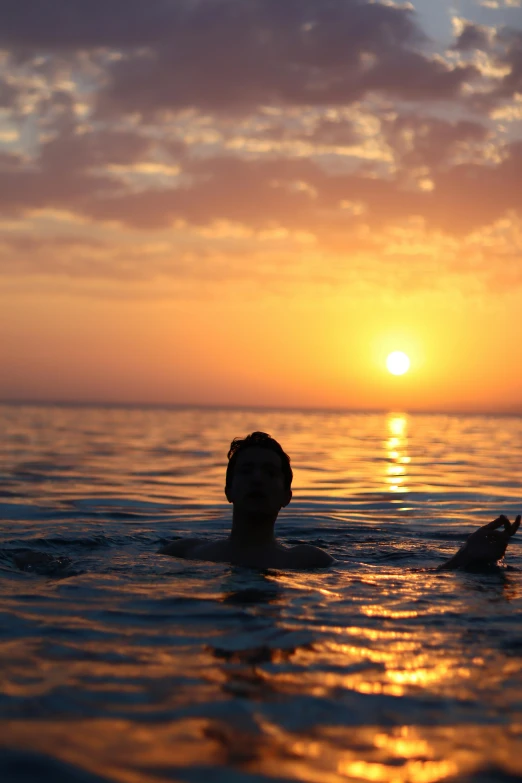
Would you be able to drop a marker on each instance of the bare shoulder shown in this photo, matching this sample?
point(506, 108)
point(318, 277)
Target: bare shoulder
point(211, 550)
point(298, 557)
point(197, 549)
point(181, 547)
point(308, 556)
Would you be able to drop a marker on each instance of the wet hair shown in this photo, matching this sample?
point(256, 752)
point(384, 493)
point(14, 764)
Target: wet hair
point(259, 440)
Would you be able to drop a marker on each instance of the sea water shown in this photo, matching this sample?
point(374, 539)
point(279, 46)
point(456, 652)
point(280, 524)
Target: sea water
point(118, 664)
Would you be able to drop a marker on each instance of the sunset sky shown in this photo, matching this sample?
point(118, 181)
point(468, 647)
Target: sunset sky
point(253, 202)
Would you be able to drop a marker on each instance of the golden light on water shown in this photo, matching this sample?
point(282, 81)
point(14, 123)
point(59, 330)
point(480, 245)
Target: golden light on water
point(398, 363)
point(396, 453)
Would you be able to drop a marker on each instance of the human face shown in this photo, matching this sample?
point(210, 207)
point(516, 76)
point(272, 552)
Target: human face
point(258, 482)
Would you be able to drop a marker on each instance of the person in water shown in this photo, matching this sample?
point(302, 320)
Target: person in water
point(258, 485)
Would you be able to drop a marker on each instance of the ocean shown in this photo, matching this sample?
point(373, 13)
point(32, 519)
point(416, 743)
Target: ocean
point(119, 664)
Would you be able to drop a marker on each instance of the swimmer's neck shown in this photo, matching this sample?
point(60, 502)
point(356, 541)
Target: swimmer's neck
point(252, 530)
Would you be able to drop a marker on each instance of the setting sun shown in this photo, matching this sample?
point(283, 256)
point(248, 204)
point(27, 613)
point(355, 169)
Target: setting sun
point(398, 363)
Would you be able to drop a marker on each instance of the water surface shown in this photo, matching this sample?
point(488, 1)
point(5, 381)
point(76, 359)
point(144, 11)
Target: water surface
point(117, 664)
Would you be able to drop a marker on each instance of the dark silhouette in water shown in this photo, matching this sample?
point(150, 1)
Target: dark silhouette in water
point(485, 546)
point(258, 484)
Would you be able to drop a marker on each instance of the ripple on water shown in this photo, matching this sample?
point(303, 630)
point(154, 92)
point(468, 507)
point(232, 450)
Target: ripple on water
point(118, 664)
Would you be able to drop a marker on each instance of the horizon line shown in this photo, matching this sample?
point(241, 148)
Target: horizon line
point(28, 402)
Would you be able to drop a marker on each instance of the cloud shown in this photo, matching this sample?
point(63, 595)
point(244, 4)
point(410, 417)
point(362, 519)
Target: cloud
point(72, 151)
point(74, 169)
point(413, 76)
point(229, 55)
point(283, 193)
point(494, 4)
point(424, 141)
point(303, 126)
point(50, 181)
point(500, 61)
point(512, 58)
point(470, 195)
point(328, 131)
point(473, 36)
point(66, 25)
point(405, 257)
point(10, 162)
point(235, 55)
point(8, 95)
point(274, 190)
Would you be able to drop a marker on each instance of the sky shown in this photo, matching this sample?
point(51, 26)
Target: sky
point(253, 202)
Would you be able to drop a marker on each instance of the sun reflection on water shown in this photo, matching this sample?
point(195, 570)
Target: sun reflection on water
point(396, 453)
point(141, 668)
point(402, 754)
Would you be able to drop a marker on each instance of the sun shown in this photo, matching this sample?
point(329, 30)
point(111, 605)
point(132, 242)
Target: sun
point(398, 363)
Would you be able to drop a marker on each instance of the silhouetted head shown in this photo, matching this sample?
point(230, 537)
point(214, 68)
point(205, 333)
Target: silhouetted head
point(260, 440)
point(259, 476)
